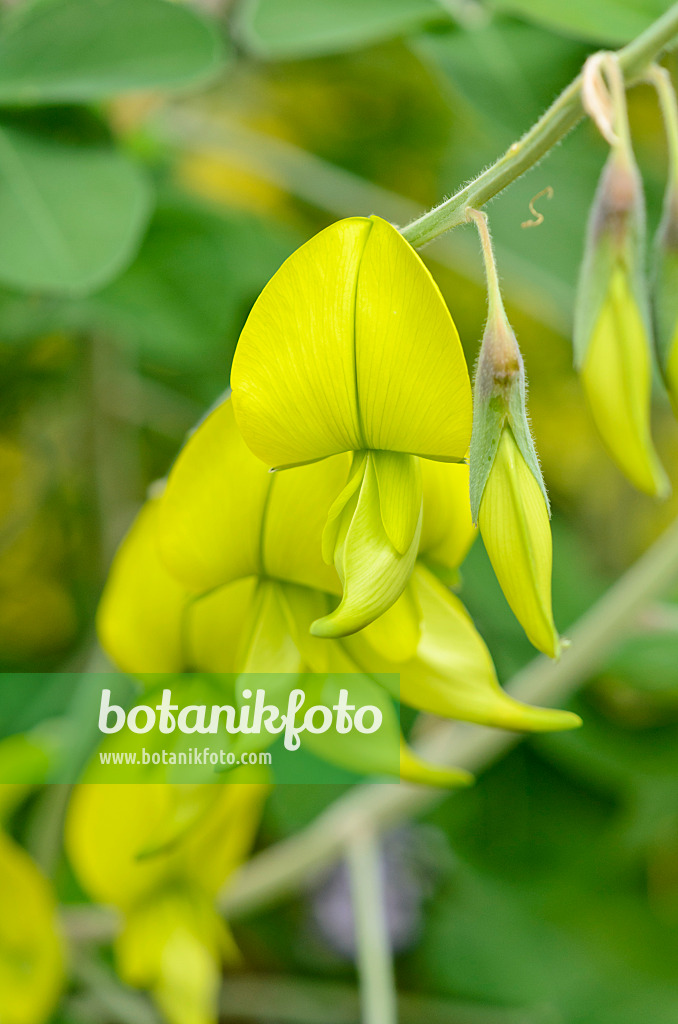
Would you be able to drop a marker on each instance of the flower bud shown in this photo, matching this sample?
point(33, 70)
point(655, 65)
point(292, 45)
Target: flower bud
point(508, 497)
point(514, 525)
point(612, 336)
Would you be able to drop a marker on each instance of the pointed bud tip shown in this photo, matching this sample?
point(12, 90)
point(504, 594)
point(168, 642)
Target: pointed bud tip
point(526, 718)
point(558, 647)
point(561, 721)
point(663, 486)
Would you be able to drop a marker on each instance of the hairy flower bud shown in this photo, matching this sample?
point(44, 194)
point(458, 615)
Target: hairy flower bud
point(612, 336)
point(508, 496)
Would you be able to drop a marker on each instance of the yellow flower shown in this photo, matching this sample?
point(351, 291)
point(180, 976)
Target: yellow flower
point(150, 623)
point(350, 348)
point(174, 945)
point(232, 597)
point(31, 956)
point(447, 529)
point(450, 672)
point(514, 525)
point(613, 341)
point(160, 854)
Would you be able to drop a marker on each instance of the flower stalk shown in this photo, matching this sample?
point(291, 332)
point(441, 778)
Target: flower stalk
point(378, 994)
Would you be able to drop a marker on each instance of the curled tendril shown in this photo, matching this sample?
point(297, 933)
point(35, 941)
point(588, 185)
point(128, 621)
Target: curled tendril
point(538, 218)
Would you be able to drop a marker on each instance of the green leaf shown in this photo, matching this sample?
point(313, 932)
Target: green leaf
point(605, 21)
point(504, 57)
point(308, 28)
point(81, 50)
point(72, 207)
point(184, 299)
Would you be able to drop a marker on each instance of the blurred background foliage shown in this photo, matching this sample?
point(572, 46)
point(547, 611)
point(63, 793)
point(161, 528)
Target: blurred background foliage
point(158, 161)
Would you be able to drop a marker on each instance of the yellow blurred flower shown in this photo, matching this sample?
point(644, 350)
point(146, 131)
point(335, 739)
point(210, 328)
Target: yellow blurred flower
point(31, 955)
point(160, 854)
point(612, 339)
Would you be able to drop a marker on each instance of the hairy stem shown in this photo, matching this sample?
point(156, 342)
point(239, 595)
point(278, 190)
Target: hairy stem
point(283, 869)
point(559, 119)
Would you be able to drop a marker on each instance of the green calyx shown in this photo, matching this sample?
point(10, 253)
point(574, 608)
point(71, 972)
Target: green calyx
point(499, 401)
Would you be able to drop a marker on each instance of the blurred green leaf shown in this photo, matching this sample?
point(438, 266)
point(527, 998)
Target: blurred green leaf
point(308, 28)
point(72, 209)
point(23, 760)
point(637, 767)
point(650, 664)
point(183, 300)
point(504, 58)
point(605, 21)
point(23, 317)
point(56, 51)
point(580, 948)
point(482, 942)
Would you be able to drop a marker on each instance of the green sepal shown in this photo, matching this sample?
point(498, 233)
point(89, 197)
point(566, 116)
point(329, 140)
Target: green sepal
point(490, 409)
point(500, 399)
point(520, 425)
